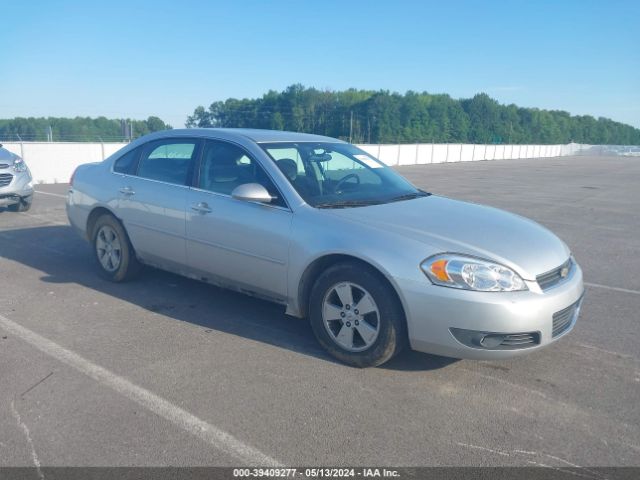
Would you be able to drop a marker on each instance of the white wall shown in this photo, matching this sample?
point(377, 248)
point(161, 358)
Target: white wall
point(54, 162)
point(425, 153)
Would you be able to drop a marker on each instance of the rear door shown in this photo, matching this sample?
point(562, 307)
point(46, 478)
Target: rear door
point(240, 243)
point(152, 200)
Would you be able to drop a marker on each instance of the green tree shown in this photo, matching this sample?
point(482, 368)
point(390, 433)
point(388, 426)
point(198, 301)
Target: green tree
point(78, 129)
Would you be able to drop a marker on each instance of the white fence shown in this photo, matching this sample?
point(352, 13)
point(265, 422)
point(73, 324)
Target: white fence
point(54, 162)
point(426, 153)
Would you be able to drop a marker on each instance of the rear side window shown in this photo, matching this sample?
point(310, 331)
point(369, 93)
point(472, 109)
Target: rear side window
point(168, 161)
point(126, 163)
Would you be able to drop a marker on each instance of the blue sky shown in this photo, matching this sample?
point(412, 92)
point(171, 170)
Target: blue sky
point(138, 58)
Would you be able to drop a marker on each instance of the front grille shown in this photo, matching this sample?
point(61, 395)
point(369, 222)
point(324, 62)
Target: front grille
point(563, 319)
point(554, 277)
point(520, 340)
point(4, 165)
point(5, 179)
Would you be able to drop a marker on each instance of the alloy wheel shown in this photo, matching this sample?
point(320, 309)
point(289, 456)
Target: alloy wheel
point(351, 316)
point(108, 248)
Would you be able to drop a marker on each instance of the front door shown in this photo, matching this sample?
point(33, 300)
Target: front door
point(243, 244)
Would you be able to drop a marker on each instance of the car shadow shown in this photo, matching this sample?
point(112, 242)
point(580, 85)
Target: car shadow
point(64, 257)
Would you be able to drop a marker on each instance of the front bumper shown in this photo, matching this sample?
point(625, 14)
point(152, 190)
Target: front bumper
point(18, 189)
point(437, 315)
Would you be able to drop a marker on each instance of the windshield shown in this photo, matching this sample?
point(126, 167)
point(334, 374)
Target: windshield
point(335, 175)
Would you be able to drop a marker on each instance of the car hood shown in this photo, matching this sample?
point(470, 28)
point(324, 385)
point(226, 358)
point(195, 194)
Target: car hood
point(454, 226)
point(6, 157)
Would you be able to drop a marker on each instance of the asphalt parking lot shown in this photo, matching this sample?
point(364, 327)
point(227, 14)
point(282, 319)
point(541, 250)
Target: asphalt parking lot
point(169, 371)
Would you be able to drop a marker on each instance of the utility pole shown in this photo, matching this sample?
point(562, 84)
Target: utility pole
point(21, 145)
point(351, 127)
point(127, 130)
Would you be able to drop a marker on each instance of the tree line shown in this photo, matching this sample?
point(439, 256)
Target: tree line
point(360, 116)
point(78, 129)
point(366, 116)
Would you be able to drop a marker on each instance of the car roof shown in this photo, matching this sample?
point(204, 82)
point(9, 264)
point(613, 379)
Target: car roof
point(255, 134)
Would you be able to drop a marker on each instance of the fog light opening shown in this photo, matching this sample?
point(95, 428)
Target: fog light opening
point(492, 340)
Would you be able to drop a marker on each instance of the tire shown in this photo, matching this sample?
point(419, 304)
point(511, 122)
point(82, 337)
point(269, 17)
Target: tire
point(22, 206)
point(112, 250)
point(348, 334)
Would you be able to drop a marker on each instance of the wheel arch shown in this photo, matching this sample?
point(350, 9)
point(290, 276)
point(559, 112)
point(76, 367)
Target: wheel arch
point(96, 213)
point(320, 264)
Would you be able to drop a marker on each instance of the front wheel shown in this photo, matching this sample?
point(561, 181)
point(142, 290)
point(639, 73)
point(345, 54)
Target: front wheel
point(113, 251)
point(356, 315)
point(23, 205)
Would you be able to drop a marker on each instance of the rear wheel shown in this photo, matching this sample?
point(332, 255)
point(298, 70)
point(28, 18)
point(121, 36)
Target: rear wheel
point(356, 316)
point(113, 251)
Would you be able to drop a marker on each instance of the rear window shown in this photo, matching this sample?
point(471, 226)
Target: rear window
point(126, 163)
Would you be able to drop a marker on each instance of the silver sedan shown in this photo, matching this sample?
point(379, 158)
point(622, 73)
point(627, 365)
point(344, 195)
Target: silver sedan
point(327, 230)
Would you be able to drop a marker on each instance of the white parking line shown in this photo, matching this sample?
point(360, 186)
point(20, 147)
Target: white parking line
point(52, 194)
point(207, 432)
point(615, 289)
point(27, 435)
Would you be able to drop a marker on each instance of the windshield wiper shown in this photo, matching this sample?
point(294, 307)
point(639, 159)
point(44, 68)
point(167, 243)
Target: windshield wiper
point(364, 203)
point(409, 196)
point(348, 203)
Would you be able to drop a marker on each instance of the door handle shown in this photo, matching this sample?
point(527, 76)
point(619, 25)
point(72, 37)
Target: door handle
point(128, 191)
point(201, 207)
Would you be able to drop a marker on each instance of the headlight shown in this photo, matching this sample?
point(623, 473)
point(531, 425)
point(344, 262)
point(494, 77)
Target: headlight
point(19, 165)
point(470, 273)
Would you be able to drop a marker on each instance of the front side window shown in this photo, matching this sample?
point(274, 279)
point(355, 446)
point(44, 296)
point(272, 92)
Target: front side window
point(168, 161)
point(225, 166)
point(328, 175)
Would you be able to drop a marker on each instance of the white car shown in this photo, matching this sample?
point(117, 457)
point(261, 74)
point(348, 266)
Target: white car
point(16, 187)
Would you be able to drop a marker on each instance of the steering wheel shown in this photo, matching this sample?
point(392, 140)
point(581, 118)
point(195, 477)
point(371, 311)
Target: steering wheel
point(344, 179)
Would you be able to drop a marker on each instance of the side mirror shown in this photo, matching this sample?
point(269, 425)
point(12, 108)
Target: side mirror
point(251, 192)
